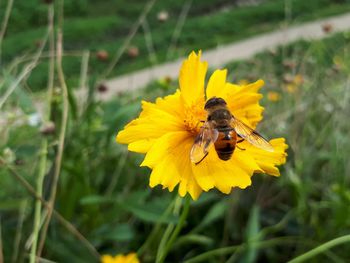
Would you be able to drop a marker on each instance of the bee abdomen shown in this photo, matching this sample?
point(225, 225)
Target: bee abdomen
point(225, 155)
point(225, 152)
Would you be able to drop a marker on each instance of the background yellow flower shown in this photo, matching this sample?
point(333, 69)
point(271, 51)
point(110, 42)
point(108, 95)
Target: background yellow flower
point(273, 96)
point(129, 258)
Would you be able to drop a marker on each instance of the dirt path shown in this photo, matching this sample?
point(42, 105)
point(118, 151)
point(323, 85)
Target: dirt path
point(226, 53)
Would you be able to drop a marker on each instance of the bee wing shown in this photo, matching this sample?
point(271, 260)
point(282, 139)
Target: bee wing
point(204, 140)
point(250, 135)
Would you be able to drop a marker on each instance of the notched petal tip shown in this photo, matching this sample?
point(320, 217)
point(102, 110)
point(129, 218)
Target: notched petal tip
point(192, 189)
point(194, 55)
point(268, 161)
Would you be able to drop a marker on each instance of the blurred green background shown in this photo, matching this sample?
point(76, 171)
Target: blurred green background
point(104, 193)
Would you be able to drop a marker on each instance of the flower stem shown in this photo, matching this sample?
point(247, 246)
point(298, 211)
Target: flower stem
point(39, 187)
point(163, 250)
point(62, 135)
point(43, 159)
point(4, 23)
point(321, 249)
point(229, 250)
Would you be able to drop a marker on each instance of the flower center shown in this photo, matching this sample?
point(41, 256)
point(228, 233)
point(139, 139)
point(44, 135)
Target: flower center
point(194, 116)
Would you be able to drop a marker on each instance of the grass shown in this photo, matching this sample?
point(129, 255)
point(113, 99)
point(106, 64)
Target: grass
point(104, 26)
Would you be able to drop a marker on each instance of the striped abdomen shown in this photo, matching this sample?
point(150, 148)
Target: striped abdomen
point(226, 143)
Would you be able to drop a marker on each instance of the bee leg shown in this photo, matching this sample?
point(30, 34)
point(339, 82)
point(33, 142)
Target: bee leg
point(239, 141)
point(201, 159)
point(240, 148)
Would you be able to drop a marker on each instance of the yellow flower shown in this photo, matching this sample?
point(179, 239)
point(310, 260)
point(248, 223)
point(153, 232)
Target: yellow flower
point(298, 79)
point(165, 132)
point(291, 88)
point(130, 258)
point(273, 96)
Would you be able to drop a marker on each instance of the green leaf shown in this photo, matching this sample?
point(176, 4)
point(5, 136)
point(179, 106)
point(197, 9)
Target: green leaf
point(72, 103)
point(252, 236)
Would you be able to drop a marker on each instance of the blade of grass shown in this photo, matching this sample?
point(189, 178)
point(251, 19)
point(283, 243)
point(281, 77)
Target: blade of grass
point(18, 231)
point(4, 24)
point(65, 223)
point(149, 42)
point(64, 122)
point(178, 28)
point(321, 249)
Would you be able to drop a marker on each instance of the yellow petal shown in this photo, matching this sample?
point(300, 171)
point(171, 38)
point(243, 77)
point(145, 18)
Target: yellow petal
point(188, 183)
point(155, 111)
point(144, 131)
point(243, 102)
point(216, 84)
point(141, 146)
point(204, 172)
point(255, 86)
point(165, 173)
point(268, 161)
point(170, 159)
point(171, 104)
point(107, 259)
point(156, 119)
point(164, 146)
point(131, 258)
point(191, 79)
point(244, 160)
point(213, 172)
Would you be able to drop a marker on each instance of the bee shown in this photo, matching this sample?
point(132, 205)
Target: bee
point(224, 131)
